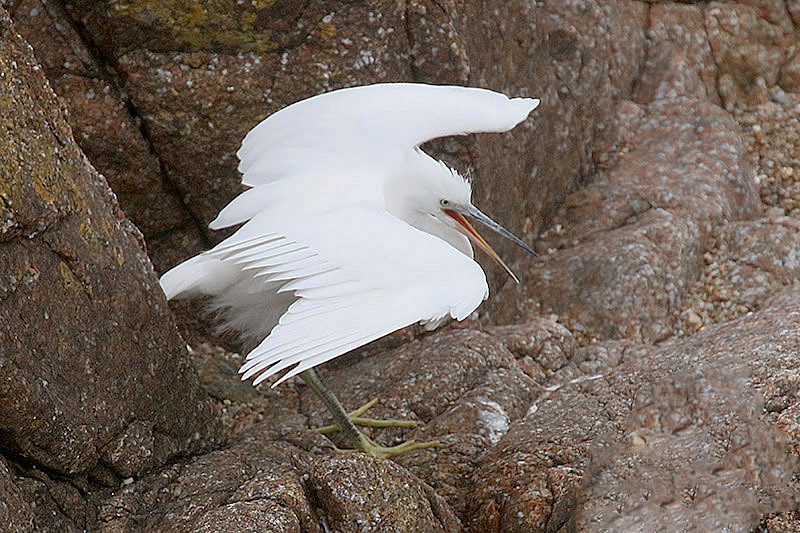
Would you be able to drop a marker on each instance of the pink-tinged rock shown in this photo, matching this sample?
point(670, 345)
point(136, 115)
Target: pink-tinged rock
point(632, 241)
point(464, 386)
point(541, 345)
point(678, 61)
point(790, 74)
point(748, 50)
point(655, 437)
point(360, 493)
point(758, 259)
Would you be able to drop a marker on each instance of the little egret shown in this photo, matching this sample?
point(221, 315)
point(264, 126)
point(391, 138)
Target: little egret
point(349, 230)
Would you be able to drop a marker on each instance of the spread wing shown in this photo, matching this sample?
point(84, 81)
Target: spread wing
point(370, 121)
point(348, 142)
point(357, 274)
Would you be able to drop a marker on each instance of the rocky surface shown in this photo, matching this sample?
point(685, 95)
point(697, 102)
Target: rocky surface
point(95, 381)
point(108, 129)
point(672, 438)
point(643, 376)
point(15, 512)
point(632, 240)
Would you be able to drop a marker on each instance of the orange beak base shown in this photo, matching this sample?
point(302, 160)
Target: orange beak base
point(466, 228)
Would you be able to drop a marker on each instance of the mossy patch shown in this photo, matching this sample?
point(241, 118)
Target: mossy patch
point(327, 29)
point(118, 254)
point(69, 280)
point(43, 190)
point(85, 231)
point(205, 25)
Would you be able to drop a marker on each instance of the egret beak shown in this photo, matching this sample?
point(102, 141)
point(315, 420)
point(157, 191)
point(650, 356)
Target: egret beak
point(458, 213)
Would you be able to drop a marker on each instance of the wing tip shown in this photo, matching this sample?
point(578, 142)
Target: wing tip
point(525, 106)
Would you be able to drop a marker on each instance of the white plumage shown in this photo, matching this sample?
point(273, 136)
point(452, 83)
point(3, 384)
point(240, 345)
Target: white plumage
point(350, 230)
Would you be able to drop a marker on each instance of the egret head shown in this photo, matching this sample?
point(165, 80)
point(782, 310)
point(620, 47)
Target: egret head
point(453, 207)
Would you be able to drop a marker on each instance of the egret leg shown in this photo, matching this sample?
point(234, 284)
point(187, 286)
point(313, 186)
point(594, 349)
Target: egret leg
point(346, 425)
point(356, 418)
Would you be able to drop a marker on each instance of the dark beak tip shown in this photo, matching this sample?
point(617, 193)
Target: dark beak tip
point(476, 214)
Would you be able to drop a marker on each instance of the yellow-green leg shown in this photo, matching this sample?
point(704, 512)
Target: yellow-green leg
point(356, 418)
point(345, 422)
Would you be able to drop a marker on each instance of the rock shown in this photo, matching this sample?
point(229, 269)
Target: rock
point(679, 61)
point(282, 476)
point(564, 54)
point(105, 125)
point(684, 156)
point(56, 504)
point(541, 346)
point(790, 74)
point(782, 523)
point(632, 241)
point(772, 137)
point(96, 377)
point(360, 493)
point(748, 49)
point(256, 480)
point(464, 387)
point(762, 257)
point(15, 512)
point(671, 437)
point(621, 284)
point(198, 105)
point(605, 392)
point(740, 274)
point(199, 80)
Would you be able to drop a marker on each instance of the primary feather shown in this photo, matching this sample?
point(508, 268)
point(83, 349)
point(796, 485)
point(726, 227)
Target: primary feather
point(336, 249)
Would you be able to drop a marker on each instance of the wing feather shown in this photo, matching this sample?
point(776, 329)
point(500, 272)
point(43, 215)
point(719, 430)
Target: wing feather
point(349, 126)
point(402, 114)
point(348, 143)
point(306, 281)
point(357, 274)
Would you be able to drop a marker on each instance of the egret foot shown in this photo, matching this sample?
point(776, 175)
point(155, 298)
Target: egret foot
point(344, 422)
point(367, 445)
point(356, 418)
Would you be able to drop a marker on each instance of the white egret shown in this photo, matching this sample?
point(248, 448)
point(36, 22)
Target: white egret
point(350, 231)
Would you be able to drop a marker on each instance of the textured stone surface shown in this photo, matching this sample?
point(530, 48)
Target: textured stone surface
point(564, 54)
point(93, 374)
point(198, 86)
point(15, 512)
point(749, 47)
point(464, 386)
point(671, 437)
point(360, 493)
point(108, 130)
point(199, 77)
point(678, 60)
point(540, 345)
point(253, 484)
point(762, 258)
point(631, 242)
point(56, 504)
point(772, 136)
